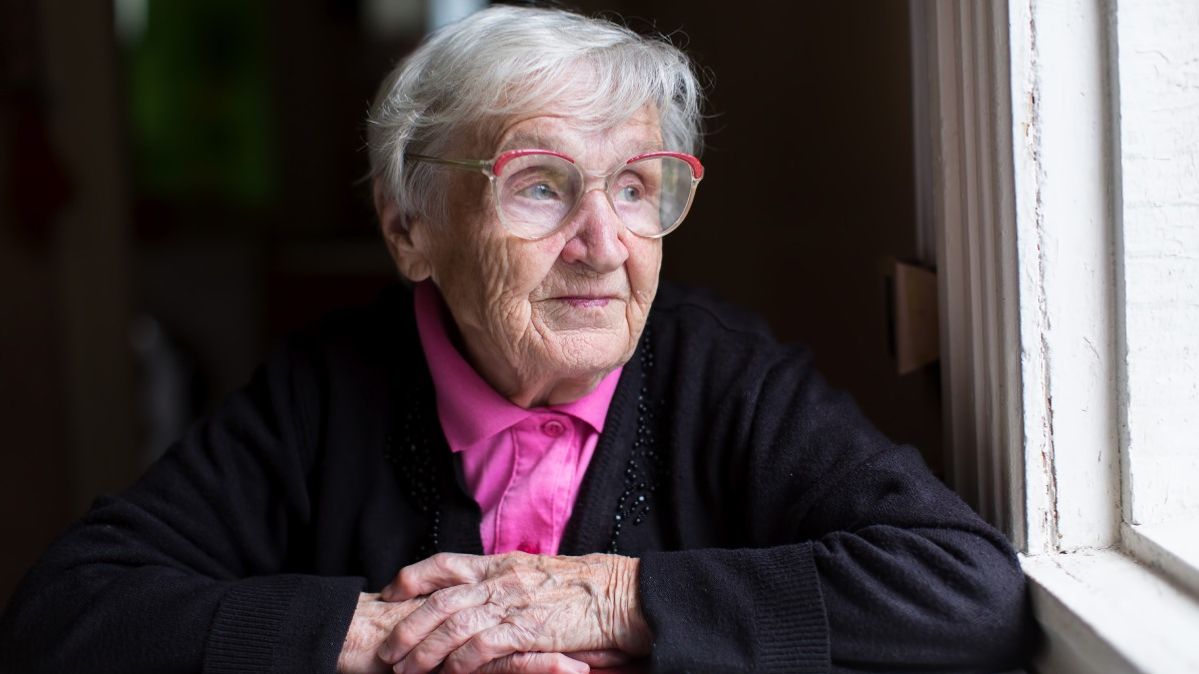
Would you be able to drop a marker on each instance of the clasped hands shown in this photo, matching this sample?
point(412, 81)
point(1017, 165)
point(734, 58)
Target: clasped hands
point(512, 612)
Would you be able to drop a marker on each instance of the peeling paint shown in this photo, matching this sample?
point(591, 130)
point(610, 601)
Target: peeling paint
point(1065, 233)
point(1043, 383)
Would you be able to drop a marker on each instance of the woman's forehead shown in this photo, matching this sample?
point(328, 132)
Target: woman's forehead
point(583, 139)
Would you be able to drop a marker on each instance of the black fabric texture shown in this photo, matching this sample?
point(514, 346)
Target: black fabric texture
point(778, 531)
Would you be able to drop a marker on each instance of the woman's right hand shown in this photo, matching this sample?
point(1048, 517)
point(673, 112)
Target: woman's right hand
point(374, 619)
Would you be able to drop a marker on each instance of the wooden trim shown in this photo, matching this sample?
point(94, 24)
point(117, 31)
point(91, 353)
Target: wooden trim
point(1022, 194)
point(1104, 612)
point(1065, 233)
point(976, 255)
point(1027, 203)
point(1170, 548)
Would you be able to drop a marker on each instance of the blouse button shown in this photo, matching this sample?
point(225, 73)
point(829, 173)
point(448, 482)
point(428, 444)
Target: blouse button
point(553, 428)
point(528, 547)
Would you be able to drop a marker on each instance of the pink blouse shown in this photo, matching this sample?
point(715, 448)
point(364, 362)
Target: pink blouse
point(523, 466)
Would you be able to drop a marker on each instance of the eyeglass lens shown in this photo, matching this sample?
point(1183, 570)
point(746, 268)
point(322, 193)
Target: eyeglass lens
point(537, 191)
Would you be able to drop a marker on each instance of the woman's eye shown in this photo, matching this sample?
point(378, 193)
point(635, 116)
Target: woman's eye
point(629, 193)
point(539, 192)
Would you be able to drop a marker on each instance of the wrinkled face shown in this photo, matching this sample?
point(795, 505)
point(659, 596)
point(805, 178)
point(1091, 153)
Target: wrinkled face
point(566, 308)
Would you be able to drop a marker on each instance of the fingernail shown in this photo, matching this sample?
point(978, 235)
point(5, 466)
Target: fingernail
point(384, 653)
point(580, 667)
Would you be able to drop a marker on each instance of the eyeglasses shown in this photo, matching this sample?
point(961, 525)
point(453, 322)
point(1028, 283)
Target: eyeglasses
point(536, 191)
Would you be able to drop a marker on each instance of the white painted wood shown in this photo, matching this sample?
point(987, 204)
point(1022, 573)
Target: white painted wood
point(1062, 136)
point(1158, 66)
point(950, 214)
point(1105, 612)
point(1049, 457)
point(1037, 258)
point(1037, 451)
point(1170, 548)
point(976, 260)
point(1006, 376)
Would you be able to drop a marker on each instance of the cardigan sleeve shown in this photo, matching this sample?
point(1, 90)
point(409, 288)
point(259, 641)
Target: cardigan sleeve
point(184, 572)
point(855, 558)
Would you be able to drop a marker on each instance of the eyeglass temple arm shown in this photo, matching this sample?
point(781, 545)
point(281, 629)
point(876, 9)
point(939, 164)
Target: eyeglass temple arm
point(476, 164)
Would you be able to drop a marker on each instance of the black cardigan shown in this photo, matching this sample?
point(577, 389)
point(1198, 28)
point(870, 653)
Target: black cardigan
point(778, 530)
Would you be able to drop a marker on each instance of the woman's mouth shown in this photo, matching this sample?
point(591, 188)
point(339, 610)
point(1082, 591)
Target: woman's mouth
point(586, 302)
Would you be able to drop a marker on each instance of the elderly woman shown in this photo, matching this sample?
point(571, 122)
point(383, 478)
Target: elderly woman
point(533, 459)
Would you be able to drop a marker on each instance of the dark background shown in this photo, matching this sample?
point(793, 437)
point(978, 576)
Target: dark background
point(174, 197)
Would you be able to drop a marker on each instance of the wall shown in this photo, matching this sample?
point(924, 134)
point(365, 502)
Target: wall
point(67, 393)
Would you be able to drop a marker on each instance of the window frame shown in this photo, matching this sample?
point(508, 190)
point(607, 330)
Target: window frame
point(1024, 142)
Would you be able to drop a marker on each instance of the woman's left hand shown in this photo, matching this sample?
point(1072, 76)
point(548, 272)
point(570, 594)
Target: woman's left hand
point(478, 609)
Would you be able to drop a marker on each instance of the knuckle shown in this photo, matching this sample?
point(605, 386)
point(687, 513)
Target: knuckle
point(461, 625)
point(491, 641)
point(404, 639)
point(442, 601)
point(470, 657)
point(504, 639)
point(409, 581)
point(457, 663)
point(444, 561)
point(423, 658)
point(522, 631)
point(410, 606)
point(403, 645)
point(393, 648)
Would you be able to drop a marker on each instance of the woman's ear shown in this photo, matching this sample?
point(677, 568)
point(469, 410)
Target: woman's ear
point(407, 251)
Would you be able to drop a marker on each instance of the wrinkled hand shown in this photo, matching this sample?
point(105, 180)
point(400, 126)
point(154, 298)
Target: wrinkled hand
point(374, 619)
point(479, 610)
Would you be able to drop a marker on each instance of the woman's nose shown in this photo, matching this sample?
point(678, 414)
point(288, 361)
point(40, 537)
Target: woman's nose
point(596, 239)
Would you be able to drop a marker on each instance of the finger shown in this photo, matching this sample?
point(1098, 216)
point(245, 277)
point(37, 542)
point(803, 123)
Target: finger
point(371, 623)
point(535, 663)
point(445, 569)
point(417, 625)
point(448, 637)
point(397, 611)
point(602, 658)
point(491, 644)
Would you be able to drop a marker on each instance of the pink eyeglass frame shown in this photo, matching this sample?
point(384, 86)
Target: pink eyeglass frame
point(492, 168)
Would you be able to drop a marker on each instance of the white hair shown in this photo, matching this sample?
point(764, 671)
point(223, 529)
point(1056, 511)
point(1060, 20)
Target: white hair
point(467, 78)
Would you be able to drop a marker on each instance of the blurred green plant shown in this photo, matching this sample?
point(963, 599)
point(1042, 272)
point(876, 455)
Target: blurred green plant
point(200, 103)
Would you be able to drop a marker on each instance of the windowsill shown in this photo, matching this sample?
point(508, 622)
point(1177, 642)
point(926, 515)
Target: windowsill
point(1104, 612)
point(1170, 547)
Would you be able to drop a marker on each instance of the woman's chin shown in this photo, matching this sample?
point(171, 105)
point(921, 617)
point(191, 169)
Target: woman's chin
point(584, 353)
